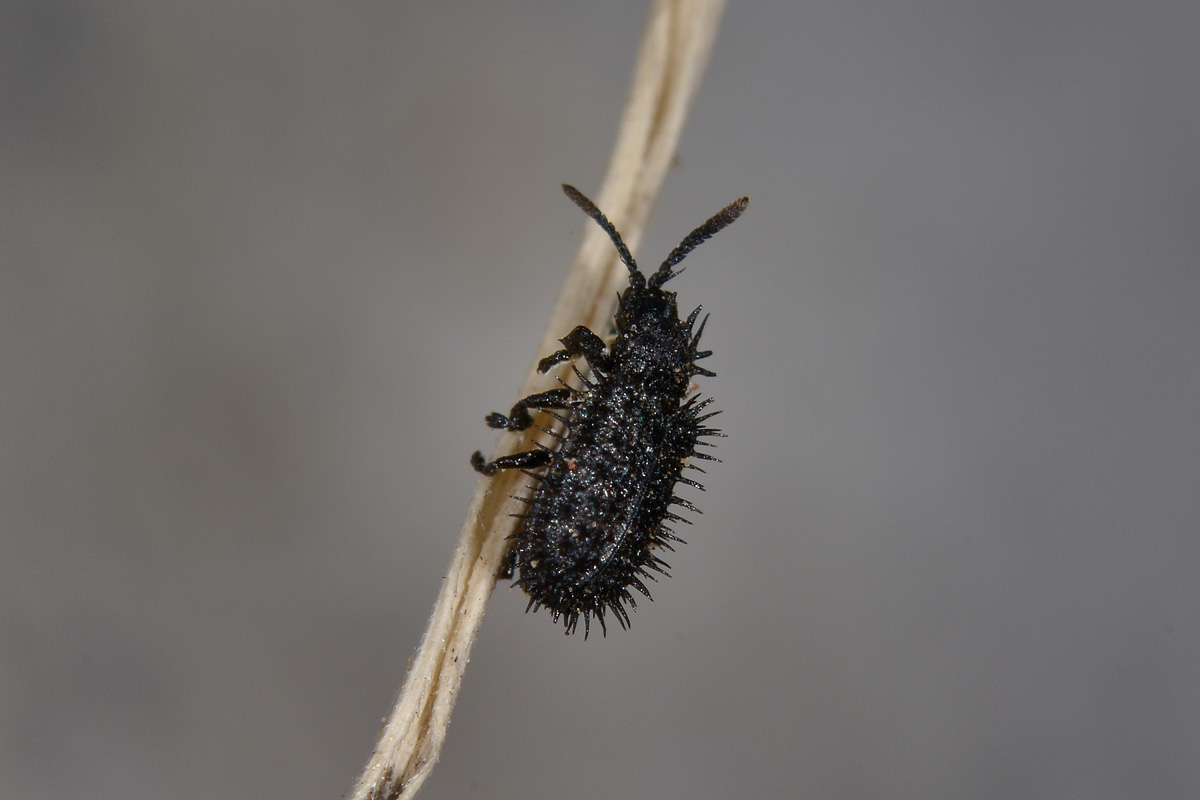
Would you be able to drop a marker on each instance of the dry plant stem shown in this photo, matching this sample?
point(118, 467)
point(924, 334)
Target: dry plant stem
point(674, 51)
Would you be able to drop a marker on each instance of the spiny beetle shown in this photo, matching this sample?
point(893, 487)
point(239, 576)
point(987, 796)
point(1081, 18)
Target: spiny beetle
point(605, 485)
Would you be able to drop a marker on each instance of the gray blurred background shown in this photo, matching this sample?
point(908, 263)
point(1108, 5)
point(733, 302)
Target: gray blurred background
point(265, 266)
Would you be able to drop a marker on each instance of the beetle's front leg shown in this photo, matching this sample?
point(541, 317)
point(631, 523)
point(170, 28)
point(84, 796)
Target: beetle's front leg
point(579, 342)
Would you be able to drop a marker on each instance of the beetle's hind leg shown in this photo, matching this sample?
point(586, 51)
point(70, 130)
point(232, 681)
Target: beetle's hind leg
point(509, 567)
point(530, 459)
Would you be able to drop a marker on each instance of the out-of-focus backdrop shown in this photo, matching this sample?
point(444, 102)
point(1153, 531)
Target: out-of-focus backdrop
point(265, 266)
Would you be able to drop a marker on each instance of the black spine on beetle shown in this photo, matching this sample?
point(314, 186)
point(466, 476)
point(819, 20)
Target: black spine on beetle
point(606, 485)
